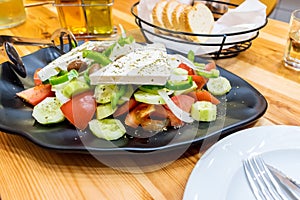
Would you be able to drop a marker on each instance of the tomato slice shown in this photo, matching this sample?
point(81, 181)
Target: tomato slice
point(132, 120)
point(136, 116)
point(145, 111)
point(159, 112)
point(36, 94)
point(193, 95)
point(36, 78)
point(126, 107)
point(183, 101)
point(204, 95)
point(187, 68)
point(154, 124)
point(174, 121)
point(209, 66)
point(199, 80)
point(80, 109)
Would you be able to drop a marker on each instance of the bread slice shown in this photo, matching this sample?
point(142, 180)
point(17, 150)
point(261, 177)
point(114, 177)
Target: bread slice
point(167, 14)
point(176, 14)
point(173, 15)
point(157, 13)
point(197, 19)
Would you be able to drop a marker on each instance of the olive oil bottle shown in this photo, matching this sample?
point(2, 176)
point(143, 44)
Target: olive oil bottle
point(99, 16)
point(86, 17)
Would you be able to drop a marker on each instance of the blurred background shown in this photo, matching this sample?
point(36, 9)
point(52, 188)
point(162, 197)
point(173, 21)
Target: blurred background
point(281, 12)
point(284, 8)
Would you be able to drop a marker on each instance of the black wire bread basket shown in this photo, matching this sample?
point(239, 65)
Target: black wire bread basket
point(223, 47)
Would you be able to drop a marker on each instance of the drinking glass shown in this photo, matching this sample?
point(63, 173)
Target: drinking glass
point(218, 8)
point(292, 50)
point(12, 13)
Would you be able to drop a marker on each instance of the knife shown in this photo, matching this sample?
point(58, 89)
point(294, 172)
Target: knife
point(24, 41)
point(289, 184)
point(60, 34)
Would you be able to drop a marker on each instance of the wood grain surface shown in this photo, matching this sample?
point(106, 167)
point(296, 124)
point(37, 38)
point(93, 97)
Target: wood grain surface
point(28, 171)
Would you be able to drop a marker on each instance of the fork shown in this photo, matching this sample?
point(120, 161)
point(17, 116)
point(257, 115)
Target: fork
point(262, 182)
point(16, 62)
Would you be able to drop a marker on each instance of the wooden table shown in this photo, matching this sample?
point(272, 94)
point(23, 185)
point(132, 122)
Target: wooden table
point(31, 172)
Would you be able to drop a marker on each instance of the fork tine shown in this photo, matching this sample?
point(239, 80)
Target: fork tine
point(252, 181)
point(259, 179)
point(265, 178)
point(269, 179)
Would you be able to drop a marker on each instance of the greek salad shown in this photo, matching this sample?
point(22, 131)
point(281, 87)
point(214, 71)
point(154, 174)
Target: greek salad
point(110, 86)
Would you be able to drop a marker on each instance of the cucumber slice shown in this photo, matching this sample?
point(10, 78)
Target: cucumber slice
point(148, 98)
point(204, 111)
point(218, 86)
point(128, 93)
point(48, 111)
point(108, 129)
point(213, 73)
point(103, 93)
point(179, 71)
point(74, 87)
point(179, 92)
point(104, 110)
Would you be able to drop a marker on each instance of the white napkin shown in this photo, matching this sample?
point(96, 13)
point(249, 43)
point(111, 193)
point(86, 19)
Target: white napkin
point(250, 14)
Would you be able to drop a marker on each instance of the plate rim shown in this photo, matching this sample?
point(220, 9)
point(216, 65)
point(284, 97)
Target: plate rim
point(208, 155)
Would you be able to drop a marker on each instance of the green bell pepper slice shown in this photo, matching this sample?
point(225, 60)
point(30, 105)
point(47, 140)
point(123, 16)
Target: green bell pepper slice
point(153, 89)
point(180, 85)
point(63, 77)
point(117, 94)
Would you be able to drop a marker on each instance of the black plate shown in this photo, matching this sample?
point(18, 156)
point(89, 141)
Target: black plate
point(243, 106)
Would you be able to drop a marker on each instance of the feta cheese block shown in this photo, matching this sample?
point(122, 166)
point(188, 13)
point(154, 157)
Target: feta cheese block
point(148, 66)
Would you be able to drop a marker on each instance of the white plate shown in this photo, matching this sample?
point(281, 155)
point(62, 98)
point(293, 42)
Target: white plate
point(219, 173)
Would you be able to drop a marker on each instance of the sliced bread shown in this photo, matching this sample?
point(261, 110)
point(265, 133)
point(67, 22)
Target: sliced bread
point(157, 13)
point(176, 14)
point(167, 14)
point(197, 19)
